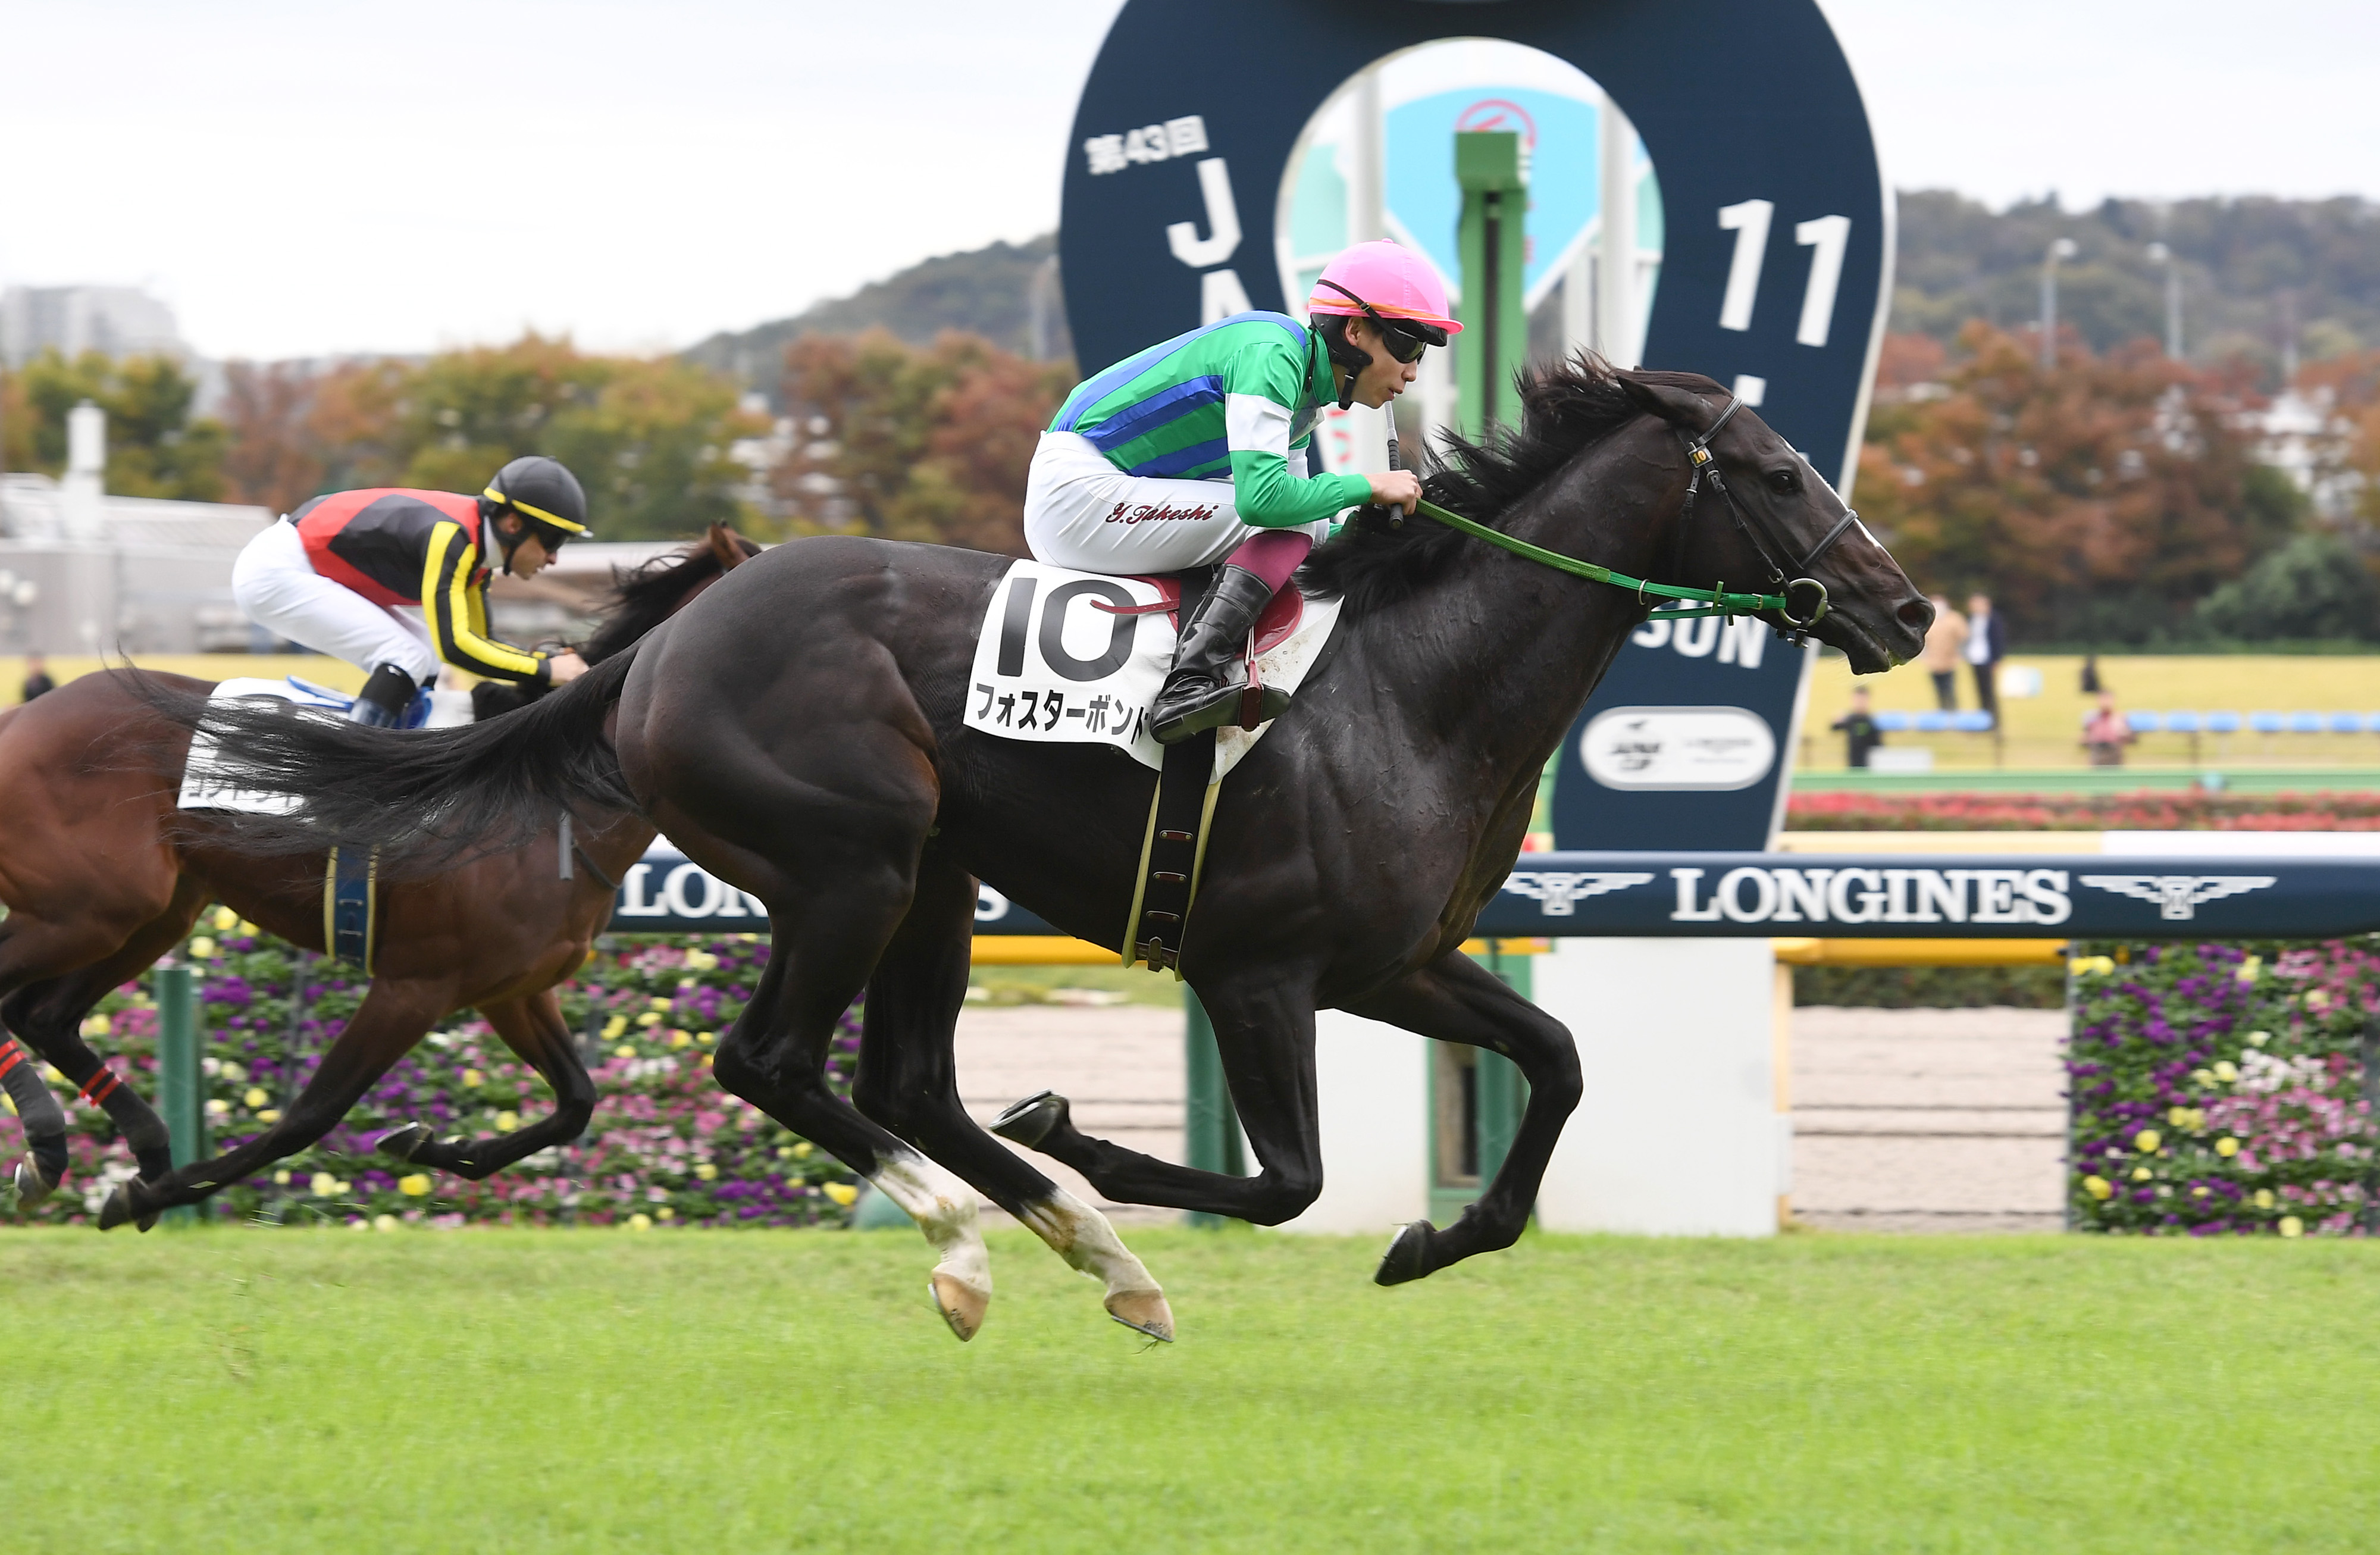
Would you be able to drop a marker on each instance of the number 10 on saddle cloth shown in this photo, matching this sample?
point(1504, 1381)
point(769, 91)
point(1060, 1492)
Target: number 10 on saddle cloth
point(1052, 666)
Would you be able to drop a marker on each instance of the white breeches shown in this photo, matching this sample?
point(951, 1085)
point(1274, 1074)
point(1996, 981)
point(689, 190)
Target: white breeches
point(1081, 512)
point(277, 587)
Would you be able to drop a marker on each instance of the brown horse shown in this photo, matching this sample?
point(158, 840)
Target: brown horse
point(101, 874)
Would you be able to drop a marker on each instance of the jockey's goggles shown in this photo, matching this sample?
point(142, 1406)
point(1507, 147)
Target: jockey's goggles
point(1404, 340)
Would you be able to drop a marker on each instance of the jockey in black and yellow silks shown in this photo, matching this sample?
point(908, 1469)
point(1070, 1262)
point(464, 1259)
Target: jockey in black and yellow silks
point(331, 575)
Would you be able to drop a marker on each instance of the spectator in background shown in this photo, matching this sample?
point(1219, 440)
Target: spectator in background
point(1987, 646)
point(1945, 641)
point(1858, 729)
point(2106, 732)
point(37, 678)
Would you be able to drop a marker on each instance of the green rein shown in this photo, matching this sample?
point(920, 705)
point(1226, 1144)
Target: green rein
point(1719, 602)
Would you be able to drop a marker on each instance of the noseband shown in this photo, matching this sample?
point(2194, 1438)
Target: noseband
point(1805, 596)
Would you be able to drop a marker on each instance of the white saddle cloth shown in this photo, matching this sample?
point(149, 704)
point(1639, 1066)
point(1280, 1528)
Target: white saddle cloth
point(1051, 668)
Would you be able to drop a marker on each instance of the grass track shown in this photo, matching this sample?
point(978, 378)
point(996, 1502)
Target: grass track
point(592, 1391)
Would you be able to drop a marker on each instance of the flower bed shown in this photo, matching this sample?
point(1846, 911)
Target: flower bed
point(2216, 1090)
point(2143, 810)
point(666, 1144)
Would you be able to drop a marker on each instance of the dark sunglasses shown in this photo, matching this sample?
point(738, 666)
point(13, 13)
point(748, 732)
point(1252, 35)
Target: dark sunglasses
point(1405, 342)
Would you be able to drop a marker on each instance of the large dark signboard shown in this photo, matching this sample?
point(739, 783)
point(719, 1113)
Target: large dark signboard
point(1776, 259)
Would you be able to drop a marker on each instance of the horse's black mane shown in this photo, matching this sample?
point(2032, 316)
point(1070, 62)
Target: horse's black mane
point(1564, 406)
point(642, 596)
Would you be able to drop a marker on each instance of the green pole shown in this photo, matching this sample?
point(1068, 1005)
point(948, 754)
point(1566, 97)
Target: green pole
point(177, 1072)
point(1494, 344)
point(1211, 1126)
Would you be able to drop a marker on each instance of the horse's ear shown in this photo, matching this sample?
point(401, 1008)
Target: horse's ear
point(1679, 407)
point(727, 545)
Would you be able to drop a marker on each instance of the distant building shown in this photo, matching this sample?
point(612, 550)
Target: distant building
point(2302, 435)
point(114, 321)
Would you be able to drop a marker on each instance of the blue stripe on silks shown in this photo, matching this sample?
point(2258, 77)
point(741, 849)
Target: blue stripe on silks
point(1182, 460)
point(1097, 389)
point(1147, 416)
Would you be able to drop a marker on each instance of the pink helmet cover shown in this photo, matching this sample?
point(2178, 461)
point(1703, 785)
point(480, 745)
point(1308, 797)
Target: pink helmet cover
point(1398, 283)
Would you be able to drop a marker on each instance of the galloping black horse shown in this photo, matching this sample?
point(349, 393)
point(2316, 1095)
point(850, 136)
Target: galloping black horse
point(797, 732)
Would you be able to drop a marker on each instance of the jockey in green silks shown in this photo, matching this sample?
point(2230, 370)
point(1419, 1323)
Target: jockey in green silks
point(1195, 451)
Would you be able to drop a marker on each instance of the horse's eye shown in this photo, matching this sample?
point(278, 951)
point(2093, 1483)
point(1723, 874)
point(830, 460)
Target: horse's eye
point(1784, 482)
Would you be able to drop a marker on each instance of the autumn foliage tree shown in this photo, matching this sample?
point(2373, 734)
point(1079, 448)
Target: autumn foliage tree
point(156, 447)
point(2100, 500)
point(650, 439)
point(906, 443)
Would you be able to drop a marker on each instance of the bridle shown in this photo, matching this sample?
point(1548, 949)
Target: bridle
point(1791, 577)
point(1801, 600)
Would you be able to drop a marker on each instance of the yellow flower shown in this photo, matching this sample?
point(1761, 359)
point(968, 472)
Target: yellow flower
point(2250, 967)
point(2227, 1147)
point(2227, 1071)
point(680, 1040)
point(2146, 1141)
point(665, 1214)
point(472, 1078)
point(2264, 1198)
point(248, 929)
point(612, 1028)
point(384, 1223)
point(281, 1179)
point(841, 1193)
point(706, 1170)
point(640, 1222)
point(658, 1003)
point(650, 1019)
point(95, 1027)
point(706, 1038)
point(624, 1051)
point(232, 1073)
point(2255, 1039)
point(2080, 967)
point(700, 960)
point(2098, 1187)
point(2198, 1193)
point(2141, 1174)
point(270, 1115)
point(254, 1098)
point(8, 1105)
point(224, 919)
point(2202, 1076)
point(2289, 1225)
point(202, 948)
point(2317, 1000)
point(507, 1120)
point(415, 1185)
point(803, 1148)
point(324, 1185)
point(2177, 1117)
point(784, 1152)
point(217, 1106)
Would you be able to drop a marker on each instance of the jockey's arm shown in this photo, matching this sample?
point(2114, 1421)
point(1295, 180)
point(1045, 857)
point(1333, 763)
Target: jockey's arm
point(457, 610)
point(1259, 390)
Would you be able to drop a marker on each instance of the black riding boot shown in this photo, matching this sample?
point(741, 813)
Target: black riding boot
point(1208, 680)
point(383, 702)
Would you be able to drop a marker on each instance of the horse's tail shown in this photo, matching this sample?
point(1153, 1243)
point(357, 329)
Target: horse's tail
point(426, 798)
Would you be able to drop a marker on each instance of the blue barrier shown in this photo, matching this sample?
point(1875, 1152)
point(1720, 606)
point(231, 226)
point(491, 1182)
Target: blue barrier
point(1922, 896)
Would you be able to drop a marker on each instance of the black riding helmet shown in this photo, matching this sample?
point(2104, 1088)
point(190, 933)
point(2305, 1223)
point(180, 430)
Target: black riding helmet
point(547, 497)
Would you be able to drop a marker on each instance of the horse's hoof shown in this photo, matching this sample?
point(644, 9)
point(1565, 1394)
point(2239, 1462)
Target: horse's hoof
point(1143, 1312)
point(401, 1143)
point(118, 1211)
point(1030, 1121)
point(31, 1187)
point(961, 1304)
point(1408, 1256)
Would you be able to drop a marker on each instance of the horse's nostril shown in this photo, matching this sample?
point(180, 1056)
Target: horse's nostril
point(1916, 615)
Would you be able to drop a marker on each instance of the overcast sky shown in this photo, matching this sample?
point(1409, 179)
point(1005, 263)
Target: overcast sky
point(307, 178)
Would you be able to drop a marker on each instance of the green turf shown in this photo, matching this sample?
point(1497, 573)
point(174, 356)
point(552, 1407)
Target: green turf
point(259, 1392)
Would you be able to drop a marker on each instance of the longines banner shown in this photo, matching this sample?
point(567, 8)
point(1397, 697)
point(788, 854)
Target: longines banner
point(1895, 896)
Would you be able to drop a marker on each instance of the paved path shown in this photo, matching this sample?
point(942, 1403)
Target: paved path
point(1904, 1120)
point(1119, 1068)
point(1928, 1120)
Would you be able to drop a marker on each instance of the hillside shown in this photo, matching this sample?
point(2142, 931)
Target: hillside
point(2254, 271)
point(987, 291)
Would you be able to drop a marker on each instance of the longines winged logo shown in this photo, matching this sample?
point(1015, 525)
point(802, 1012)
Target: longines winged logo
point(2177, 896)
point(1561, 890)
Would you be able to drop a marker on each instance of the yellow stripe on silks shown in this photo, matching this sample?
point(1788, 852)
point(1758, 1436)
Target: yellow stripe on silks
point(541, 515)
point(449, 608)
